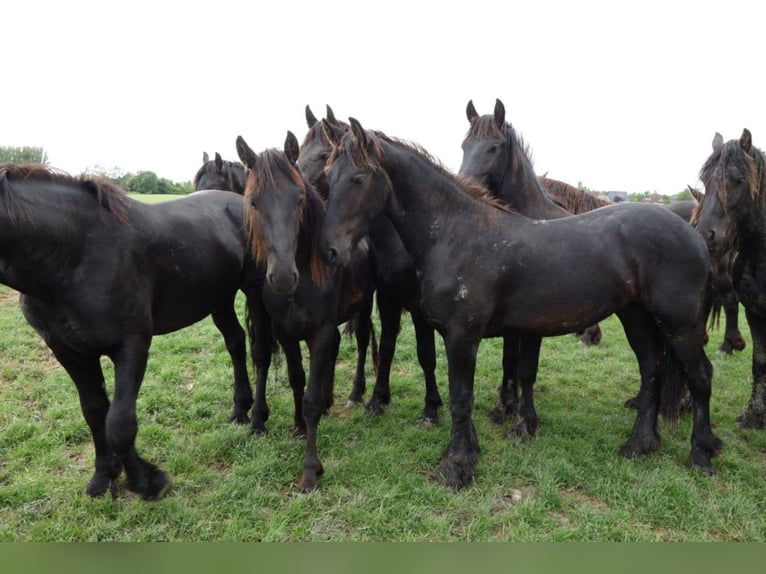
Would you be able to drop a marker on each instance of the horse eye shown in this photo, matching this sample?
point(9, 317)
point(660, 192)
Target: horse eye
point(324, 156)
point(358, 179)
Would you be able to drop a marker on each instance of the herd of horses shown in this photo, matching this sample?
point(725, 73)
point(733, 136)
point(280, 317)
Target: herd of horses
point(314, 233)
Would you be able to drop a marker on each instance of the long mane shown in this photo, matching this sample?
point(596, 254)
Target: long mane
point(572, 198)
point(106, 194)
point(273, 167)
point(371, 158)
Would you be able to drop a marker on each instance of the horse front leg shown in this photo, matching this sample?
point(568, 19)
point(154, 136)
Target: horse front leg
point(426, 348)
point(297, 378)
point(456, 468)
point(144, 478)
point(724, 290)
point(261, 349)
point(88, 377)
point(754, 415)
point(390, 313)
point(322, 355)
point(225, 319)
point(362, 333)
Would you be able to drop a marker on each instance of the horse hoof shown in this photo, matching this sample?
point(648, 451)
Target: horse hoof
point(98, 486)
point(453, 476)
point(498, 414)
point(425, 422)
point(752, 420)
point(239, 418)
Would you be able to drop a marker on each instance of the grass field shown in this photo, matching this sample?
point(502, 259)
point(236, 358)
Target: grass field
point(565, 484)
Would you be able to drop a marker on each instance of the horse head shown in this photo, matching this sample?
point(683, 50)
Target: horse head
point(359, 190)
point(735, 187)
point(275, 194)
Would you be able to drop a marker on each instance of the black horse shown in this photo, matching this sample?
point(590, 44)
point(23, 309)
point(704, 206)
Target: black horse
point(722, 295)
point(495, 156)
point(486, 271)
point(100, 274)
point(394, 275)
point(220, 174)
point(732, 218)
point(302, 298)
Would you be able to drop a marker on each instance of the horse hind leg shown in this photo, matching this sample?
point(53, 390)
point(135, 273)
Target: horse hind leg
point(508, 392)
point(225, 319)
point(526, 423)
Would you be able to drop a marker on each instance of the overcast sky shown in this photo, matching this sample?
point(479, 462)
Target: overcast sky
point(616, 95)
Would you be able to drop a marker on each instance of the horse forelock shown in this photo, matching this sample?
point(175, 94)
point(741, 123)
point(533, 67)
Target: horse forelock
point(273, 168)
point(752, 164)
point(108, 195)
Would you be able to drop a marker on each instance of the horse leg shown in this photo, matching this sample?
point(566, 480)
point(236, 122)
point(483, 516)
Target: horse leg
point(732, 338)
point(88, 377)
point(297, 378)
point(144, 478)
point(508, 394)
point(321, 358)
point(456, 468)
point(590, 335)
point(362, 333)
point(645, 340)
point(687, 346)
point(390, 313)
point(529, 355)
point(261, 348)
point(426, 348)
point(754, 416)
point(225, 319)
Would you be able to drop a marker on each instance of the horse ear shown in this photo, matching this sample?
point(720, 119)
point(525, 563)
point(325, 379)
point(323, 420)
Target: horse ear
point(218, 161)
point(205, 157)
point(471, 113)
point(246, 155)
point(746, 140)
point(331, 135)
point(499, 113)
point(310, 117)
point(292, 149)
point(696, 194)
point(717, 141)
point(358, 131)
point(331, 116)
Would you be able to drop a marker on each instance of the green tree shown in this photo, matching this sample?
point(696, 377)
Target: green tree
point(684, 195)
point(143, 182)
point(25, 154)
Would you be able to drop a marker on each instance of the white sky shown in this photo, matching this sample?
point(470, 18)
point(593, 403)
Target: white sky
point(616, 95)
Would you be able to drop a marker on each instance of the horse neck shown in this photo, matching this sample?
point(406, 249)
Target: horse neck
point(523, 191)
point(422, 222)
point(40, 241)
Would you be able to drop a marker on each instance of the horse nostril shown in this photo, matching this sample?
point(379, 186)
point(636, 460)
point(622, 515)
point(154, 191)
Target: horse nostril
point(332, 254)
point(711, 235)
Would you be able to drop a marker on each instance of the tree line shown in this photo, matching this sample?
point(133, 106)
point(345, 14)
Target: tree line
point(141, 182)
point(150, 183)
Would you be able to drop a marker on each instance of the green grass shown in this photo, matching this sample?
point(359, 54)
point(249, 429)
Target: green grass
point(565, 484)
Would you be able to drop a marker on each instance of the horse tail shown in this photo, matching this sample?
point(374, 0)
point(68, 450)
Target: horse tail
point(674, 383)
